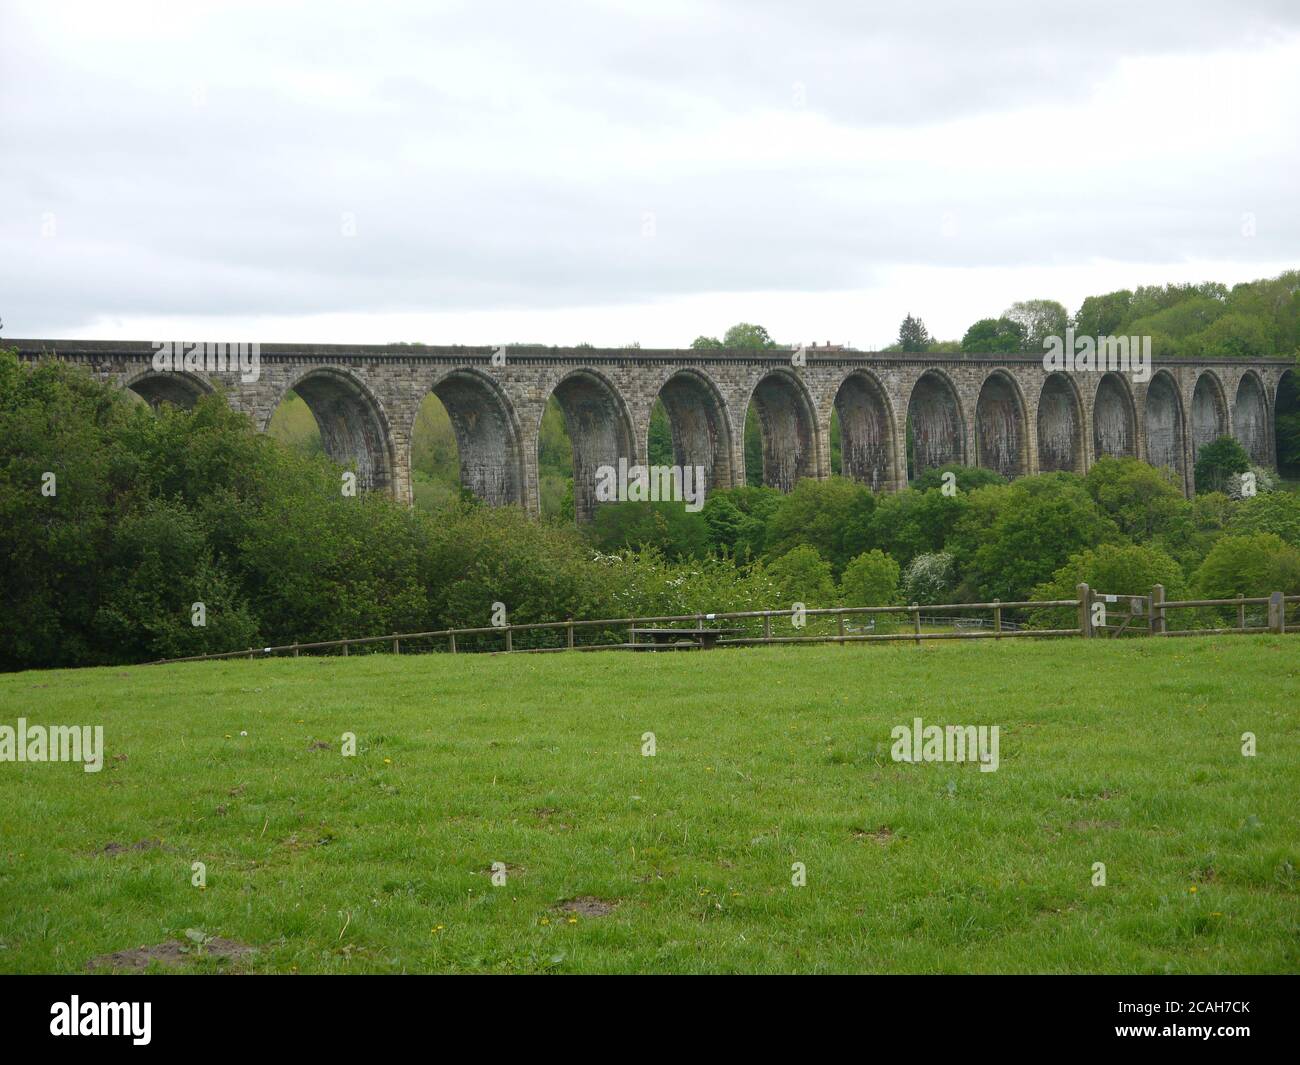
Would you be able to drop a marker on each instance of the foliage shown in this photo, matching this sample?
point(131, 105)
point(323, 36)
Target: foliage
point(1217, 461)
point(870, 579)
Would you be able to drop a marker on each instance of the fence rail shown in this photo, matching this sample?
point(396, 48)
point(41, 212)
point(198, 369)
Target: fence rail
point(619, 635)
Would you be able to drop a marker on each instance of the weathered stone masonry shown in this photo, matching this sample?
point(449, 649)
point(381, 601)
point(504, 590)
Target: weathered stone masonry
point(1003, 412)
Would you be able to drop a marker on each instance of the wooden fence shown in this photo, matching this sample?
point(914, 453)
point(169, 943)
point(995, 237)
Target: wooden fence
point(618, 633)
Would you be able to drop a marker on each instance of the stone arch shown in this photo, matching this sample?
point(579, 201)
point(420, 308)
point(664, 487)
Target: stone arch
point(1250, 417)
point(1000, 436)
point(1163, 417)
point(178, 387)
point(1060, 425)
point(700, 425)
point(938, 424)
point(600, 430)
point(1286, 404)
point(1114, 419)
point(1209, 411)
point(788, 422)
point(488, 436)
point(354, 429)
point(866, 431)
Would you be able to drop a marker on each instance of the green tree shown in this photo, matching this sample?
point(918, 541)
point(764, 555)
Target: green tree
point(1217, 462)
point(1038, 320)
point(912, 335)
point(834, 516)
point(994, 335)
point(1256, 564)
point(803, 576)
point(1143, 501)
point(1014, 537)
point(870, 579)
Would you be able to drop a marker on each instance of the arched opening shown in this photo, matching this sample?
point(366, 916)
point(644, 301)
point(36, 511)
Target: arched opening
point(1209, 412)
point(1250, 419)
point(1060, 426)
point(866, 432)
point(698, 431)
point(1114, 424)
point(600, 431)
point(1000, 426)
point(352, 429)
point(484, 439)
point(936, 427)
point(1286, 425)
point(1164, 423)
point(179, 389)
point(788, 427)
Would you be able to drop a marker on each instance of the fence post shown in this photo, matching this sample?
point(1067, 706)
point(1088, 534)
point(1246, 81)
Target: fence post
point(841, 621)
point(631, 633)
point(510, 639)
point(1085, 611)
point(767, 626)
point(1158, 623)
point(1276, 613)
point(997, 618)
point(250, 652)
point(345, 649)
point(452, 637)
point(295, 648)
point(568, 633)
point(915, 608)
point(1241, 611)
point(397, 645)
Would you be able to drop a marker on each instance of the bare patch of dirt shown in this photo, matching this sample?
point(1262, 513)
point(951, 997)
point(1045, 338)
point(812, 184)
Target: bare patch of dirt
point(320, 745)
point(171, 954)
point(139, 845)
point(1088, 826)
point(588, 906)
point(881, 835)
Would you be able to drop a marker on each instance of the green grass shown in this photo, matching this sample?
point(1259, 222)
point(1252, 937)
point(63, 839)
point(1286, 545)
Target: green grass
point(1127, 753)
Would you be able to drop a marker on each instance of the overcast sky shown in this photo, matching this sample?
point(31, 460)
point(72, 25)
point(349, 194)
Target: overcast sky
point(565, 172)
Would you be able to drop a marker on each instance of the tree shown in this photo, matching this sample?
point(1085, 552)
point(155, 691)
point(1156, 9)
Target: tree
point(912, 335)
point(994, 335)
point(1217, 461)
point(747, 336)
point(803, 576)
point(834, 516)
point(1116, 569)
point(1101, 316)
point(1144, 501)
point(870, 579)
point(930, 578)
point(1269, 512)
point(1039, 319)
point(1257, 564)
point(1016, 536)
point(966, 478)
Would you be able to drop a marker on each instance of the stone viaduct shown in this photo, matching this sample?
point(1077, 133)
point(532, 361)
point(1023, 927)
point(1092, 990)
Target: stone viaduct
point(1004, 412)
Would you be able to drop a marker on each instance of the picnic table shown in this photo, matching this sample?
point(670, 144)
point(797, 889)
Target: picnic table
point(679, 639)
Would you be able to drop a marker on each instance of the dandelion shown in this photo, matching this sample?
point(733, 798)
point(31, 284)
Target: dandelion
point(1192, 889)
point(573, 920)
point(388, 761)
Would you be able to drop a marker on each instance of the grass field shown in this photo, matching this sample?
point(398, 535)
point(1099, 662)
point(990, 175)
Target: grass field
point(1126, 753)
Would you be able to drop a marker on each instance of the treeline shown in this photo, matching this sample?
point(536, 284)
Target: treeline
point(1207, 320)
